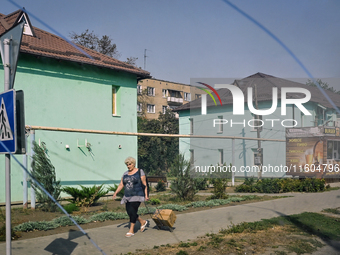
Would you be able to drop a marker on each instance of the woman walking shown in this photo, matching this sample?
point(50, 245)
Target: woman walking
point(134, 194)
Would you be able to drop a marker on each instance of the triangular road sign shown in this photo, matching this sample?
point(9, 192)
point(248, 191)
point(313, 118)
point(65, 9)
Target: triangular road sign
point(5, 128)
point(15, 35)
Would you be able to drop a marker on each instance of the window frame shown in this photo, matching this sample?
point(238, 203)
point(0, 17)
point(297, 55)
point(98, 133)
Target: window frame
point(114, 101)
point(139, 89)
point(153, 107)
point(140, 106)
point(164, 93)
point(187, 96)
point(335, 149)
point(153, 91)
point(164, 108)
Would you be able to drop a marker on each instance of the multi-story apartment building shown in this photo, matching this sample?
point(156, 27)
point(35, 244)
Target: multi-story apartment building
point(155, 96)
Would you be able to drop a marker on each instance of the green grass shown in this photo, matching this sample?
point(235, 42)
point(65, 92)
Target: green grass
point(302, 246)
point(332, 210)
point(333, 188)
point(310, 223)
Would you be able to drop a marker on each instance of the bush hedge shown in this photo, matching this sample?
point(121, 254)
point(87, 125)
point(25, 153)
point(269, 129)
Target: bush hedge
point(282, 185)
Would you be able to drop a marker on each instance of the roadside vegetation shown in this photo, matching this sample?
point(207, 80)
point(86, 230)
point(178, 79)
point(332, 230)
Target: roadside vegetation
point(118, 213)
point(283, 185)
point(298, 234)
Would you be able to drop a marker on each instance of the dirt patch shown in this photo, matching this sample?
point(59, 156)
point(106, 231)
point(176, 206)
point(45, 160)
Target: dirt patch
point(277, 240)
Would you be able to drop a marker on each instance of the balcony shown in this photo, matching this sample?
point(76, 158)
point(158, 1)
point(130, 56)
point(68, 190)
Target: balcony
point(175, 100)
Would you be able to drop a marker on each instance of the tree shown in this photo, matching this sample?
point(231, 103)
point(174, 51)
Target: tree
point(103, 45)
point(90, 40)
point(184, 185)
point(156, 154)
point(323, 85)
point(44, 173)
point(131, 61)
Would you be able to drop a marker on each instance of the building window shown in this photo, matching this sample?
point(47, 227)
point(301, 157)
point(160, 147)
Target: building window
point(220, 152)
point(197, 96)
point(187, 96)
point(151, 91)
point(164, 107)
point(220, 126)
point(333, 149)
point(139, 89)
point(174, 93)
point(139, 107)
point(114, 100)
point(191, 121)
point(151, 108)
point(164, 92)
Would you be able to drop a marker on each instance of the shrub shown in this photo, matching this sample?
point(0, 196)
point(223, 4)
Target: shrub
point(109, 216)
point(120, 193)
point(202, 183)
point(14, 234)
point(66, 221)
point(215, 202)
point(148, 210)
point(3, 228)
point(155, 201)
point(173, 207)
point(36, 225)
point(69, 208)
point(282, 185)
point(85, 194)
point(184, 186)
point(220, 186)
point(44, 173)
point(268, 185)
point(160, 186)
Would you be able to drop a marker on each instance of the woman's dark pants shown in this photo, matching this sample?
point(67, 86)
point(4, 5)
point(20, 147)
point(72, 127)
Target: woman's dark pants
point(132, 209)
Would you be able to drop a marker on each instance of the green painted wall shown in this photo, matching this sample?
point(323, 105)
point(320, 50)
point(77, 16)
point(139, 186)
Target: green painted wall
point(206, 150)
point(71, 95)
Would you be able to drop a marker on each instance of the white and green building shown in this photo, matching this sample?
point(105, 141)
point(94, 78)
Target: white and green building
point(66, 87)
point(220, 121)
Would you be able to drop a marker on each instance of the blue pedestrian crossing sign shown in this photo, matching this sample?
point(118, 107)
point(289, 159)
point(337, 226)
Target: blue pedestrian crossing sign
point(8, 121)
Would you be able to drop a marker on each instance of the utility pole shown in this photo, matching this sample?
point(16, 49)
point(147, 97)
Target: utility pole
point(258, 131)
point(145, 56)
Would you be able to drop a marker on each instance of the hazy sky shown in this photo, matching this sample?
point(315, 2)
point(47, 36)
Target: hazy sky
point(205, 38)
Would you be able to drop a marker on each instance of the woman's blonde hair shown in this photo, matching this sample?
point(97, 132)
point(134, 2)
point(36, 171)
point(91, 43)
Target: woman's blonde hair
point(130, 160)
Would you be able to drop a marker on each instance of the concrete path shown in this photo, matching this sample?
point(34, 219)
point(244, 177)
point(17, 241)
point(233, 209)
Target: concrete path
point(111, 239)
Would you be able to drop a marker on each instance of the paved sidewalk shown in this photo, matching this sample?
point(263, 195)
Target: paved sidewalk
point(111, 239)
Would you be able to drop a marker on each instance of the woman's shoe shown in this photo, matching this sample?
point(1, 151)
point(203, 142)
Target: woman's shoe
point(129, 234)
point(142, 228)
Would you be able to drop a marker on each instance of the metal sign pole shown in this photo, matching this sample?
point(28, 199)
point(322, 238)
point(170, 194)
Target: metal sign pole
point(10, 42)
point(7, 72)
